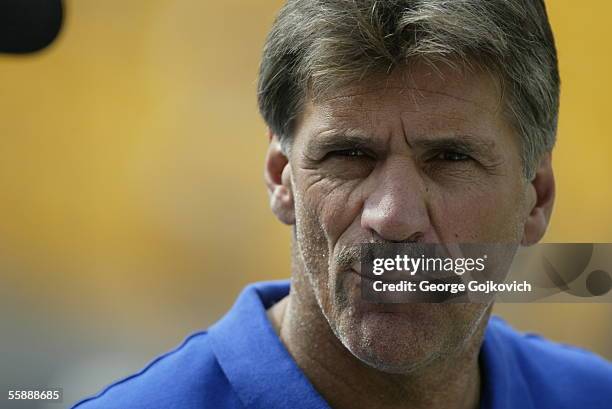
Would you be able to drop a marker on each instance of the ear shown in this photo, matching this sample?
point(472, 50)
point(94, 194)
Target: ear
point(542, 193)
point(277, 175)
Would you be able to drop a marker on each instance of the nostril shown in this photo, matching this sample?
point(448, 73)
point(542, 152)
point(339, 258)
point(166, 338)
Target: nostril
point(414, 238)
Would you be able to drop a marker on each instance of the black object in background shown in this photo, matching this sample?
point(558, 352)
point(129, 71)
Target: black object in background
point(28, 26)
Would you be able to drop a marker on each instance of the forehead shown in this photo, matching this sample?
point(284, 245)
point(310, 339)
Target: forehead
point(421, 98)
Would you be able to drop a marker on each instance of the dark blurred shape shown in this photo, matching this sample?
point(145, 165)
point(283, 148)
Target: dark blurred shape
point(28, 26)
point(599, 282)
point(564, 264)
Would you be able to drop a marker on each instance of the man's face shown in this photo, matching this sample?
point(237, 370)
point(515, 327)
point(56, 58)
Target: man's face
point(421, 156)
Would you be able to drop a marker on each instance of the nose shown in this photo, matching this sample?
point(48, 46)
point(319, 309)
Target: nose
point(395, 209)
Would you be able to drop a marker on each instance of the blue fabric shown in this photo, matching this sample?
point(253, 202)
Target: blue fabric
point(241, 363)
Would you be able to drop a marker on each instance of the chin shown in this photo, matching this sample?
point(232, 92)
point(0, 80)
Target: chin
point(402, 338)
point(395, 342)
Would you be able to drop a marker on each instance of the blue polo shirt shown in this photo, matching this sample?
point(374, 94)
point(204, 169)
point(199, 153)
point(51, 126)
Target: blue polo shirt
point(241, 363)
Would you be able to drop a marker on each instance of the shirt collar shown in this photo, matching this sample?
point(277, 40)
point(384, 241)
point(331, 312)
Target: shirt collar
point(256, 363)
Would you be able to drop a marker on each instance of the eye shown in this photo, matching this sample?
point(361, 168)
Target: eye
point(350, 153)
point(348, 163)
point(452, 156)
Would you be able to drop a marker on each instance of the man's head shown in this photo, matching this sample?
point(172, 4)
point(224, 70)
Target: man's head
point(407, 121)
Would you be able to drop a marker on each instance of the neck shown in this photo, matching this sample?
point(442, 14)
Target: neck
point(450, 382)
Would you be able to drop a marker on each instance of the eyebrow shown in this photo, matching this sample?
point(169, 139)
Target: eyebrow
point(338, 140)
point(462, 143)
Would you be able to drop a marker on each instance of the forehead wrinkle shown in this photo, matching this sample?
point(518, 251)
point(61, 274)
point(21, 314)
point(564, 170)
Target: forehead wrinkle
point(335, 110)
point(445, 94)
point(356, 98)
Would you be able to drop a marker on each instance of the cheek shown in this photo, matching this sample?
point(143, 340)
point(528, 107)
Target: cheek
point(324, 210)
point(334, 204)
point(485, 214)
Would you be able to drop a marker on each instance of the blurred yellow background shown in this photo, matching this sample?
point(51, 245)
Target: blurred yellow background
point(132, 207)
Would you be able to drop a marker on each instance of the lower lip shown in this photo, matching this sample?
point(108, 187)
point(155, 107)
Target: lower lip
point(359, 274)
point(399, 309)
point(362, 277)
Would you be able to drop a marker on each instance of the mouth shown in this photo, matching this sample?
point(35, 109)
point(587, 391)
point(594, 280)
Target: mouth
point(358, 273)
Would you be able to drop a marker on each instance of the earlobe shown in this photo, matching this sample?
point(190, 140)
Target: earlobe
point(277, 175)
point(542, 192)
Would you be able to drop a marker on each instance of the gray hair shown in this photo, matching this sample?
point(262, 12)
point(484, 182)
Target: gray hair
point(318, 45)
